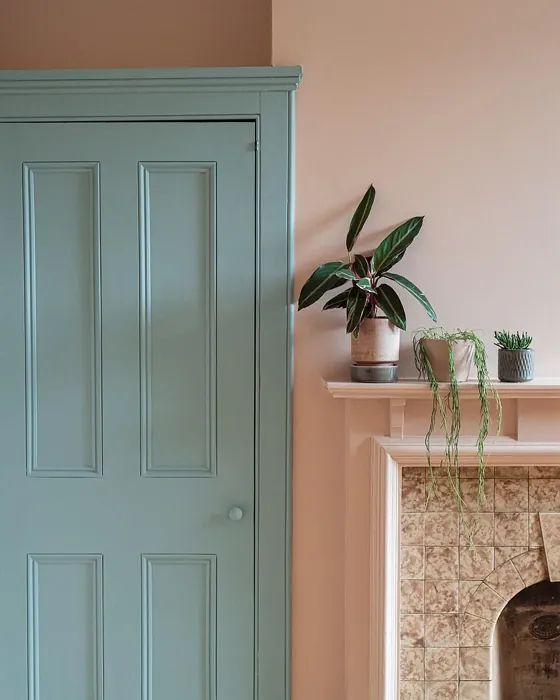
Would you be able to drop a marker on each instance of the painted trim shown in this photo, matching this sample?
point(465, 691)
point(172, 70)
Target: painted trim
point(265, 96)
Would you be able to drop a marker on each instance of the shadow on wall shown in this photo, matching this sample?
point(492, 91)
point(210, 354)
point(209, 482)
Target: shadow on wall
point(526, 650)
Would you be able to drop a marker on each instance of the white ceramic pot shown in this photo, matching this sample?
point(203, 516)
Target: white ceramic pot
point(378, 341)
point(437, 352)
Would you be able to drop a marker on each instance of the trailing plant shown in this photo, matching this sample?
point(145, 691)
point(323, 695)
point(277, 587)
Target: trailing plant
point(512, 341)
point(446, 406)
point(368, 292)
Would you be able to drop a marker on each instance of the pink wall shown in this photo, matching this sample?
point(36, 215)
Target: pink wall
point(452, 110)
point(134, 33)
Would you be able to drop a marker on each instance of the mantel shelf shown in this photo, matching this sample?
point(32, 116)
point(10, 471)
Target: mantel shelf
point(540, 388)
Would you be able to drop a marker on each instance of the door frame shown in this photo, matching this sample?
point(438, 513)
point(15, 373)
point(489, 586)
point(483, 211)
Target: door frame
point(265, 95)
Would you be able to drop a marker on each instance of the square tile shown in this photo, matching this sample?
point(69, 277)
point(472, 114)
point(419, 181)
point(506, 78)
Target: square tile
point(477, 529)
point(412, 664)
point(475, 631)
point(469, 489)
point(413, 492)
point(442, 690)
point(442, 563)
point(474, 690)
point(440, 496)
point(441, 529)
point(511, 495)
point(511, 529)
point(474, 663)
point(412, 631)
point(502, 554)
point(412, 562)
point(475, 562)
point(411, 690)
point(441, 630)
point(544, 495)
point(412, 596)
point(441, 596)
point(441, 664)
point(466, 589)
point(412, 528)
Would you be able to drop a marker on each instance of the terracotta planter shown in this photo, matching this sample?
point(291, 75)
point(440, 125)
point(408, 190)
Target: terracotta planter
point(378, 342)
point(437, 352)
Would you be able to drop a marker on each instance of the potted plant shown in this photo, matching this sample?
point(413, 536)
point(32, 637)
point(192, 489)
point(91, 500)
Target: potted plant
point(446, 356)
point(516, 358)
point(374, 312)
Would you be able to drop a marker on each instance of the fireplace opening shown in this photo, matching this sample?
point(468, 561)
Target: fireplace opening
point(526, 648)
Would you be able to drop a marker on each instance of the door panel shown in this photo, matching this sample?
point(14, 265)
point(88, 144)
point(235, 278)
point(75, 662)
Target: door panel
point(128, 313)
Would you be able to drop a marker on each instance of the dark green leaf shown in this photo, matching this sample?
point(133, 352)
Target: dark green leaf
point(416, 293)
point(322, 280)
point(360, 217)
point(365, 284)
point(361, 266)
point(392, 248)
point(347, 273)
point(389, 302)
point(357, 302)
point(338, 301)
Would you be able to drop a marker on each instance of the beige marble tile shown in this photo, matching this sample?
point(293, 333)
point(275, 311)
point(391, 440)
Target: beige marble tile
point(511, 529)
point(441, 529)
point(442, 563)
point(502, 554)
point(475, 562)
point(442, 664)
point(412, 596)
point(475, 631)
point(441, 630)
point(474, 663)
point(477, 529)
point(472, 472)
point(466, 589)
point(544, 495)
point(412, 630)
point(511, 472)
point(474, 690)
point(511, 495)
point(531, 566)
point(412, 664)
point(411, 690)
point(548, 471)
point(505, 580)
point(413, 493)
point(440, 496)
point(442, 690)
point(469, 488)
point(550, 528)
point(535, 534)
point(485, 603)
point(412, 528)
point(441, 596)
point(412, 562)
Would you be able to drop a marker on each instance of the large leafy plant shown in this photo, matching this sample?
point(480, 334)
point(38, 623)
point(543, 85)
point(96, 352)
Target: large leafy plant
point(367, 292)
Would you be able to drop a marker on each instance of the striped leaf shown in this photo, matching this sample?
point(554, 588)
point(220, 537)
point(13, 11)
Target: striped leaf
point(416, 293)
point(322, 280)
point(347, 273)
point(365, 284)
point(360, 217)
point(392, 248)
point(388, 301)
point(361, 266)
point(337, 302)
point(355, 308)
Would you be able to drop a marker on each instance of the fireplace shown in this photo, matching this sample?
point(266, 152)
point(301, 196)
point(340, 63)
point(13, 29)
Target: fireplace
point(428, 616)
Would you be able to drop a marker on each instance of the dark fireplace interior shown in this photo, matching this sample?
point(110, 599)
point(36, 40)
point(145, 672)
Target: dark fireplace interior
point(526, 650)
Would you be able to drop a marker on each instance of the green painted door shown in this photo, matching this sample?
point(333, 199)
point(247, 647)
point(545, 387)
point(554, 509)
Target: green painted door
point(127, 411)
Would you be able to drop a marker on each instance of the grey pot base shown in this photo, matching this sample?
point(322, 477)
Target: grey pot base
point(374, 374)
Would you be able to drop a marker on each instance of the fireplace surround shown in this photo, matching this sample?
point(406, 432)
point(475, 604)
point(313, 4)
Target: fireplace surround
point(421, 607)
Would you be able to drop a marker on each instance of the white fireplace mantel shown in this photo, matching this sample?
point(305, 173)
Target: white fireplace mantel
point(378, 441)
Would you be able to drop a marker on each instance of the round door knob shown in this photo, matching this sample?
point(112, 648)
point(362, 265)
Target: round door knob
point(236, 513)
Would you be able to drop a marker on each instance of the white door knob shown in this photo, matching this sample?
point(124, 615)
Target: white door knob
point(236, 513)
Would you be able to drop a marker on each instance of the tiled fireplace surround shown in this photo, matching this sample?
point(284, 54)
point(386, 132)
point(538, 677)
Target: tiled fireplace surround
point(421, 604)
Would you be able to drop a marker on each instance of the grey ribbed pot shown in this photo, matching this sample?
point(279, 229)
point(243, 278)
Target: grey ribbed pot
point(516, 365)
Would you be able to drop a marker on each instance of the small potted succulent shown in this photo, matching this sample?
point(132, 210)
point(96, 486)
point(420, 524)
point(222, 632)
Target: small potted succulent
point(516, 358)
point(374, 312)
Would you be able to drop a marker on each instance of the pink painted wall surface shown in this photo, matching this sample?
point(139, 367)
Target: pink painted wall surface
point(452, 110)
point(134, 33)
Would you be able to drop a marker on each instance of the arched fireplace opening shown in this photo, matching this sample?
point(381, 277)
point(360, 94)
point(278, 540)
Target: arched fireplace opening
point(526, 645)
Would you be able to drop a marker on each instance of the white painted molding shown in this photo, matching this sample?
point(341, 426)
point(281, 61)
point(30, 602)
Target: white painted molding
point(388, 455)
point(547, 388)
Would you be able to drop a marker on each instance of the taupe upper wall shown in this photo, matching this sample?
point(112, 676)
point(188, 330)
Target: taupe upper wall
point(134, 33)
